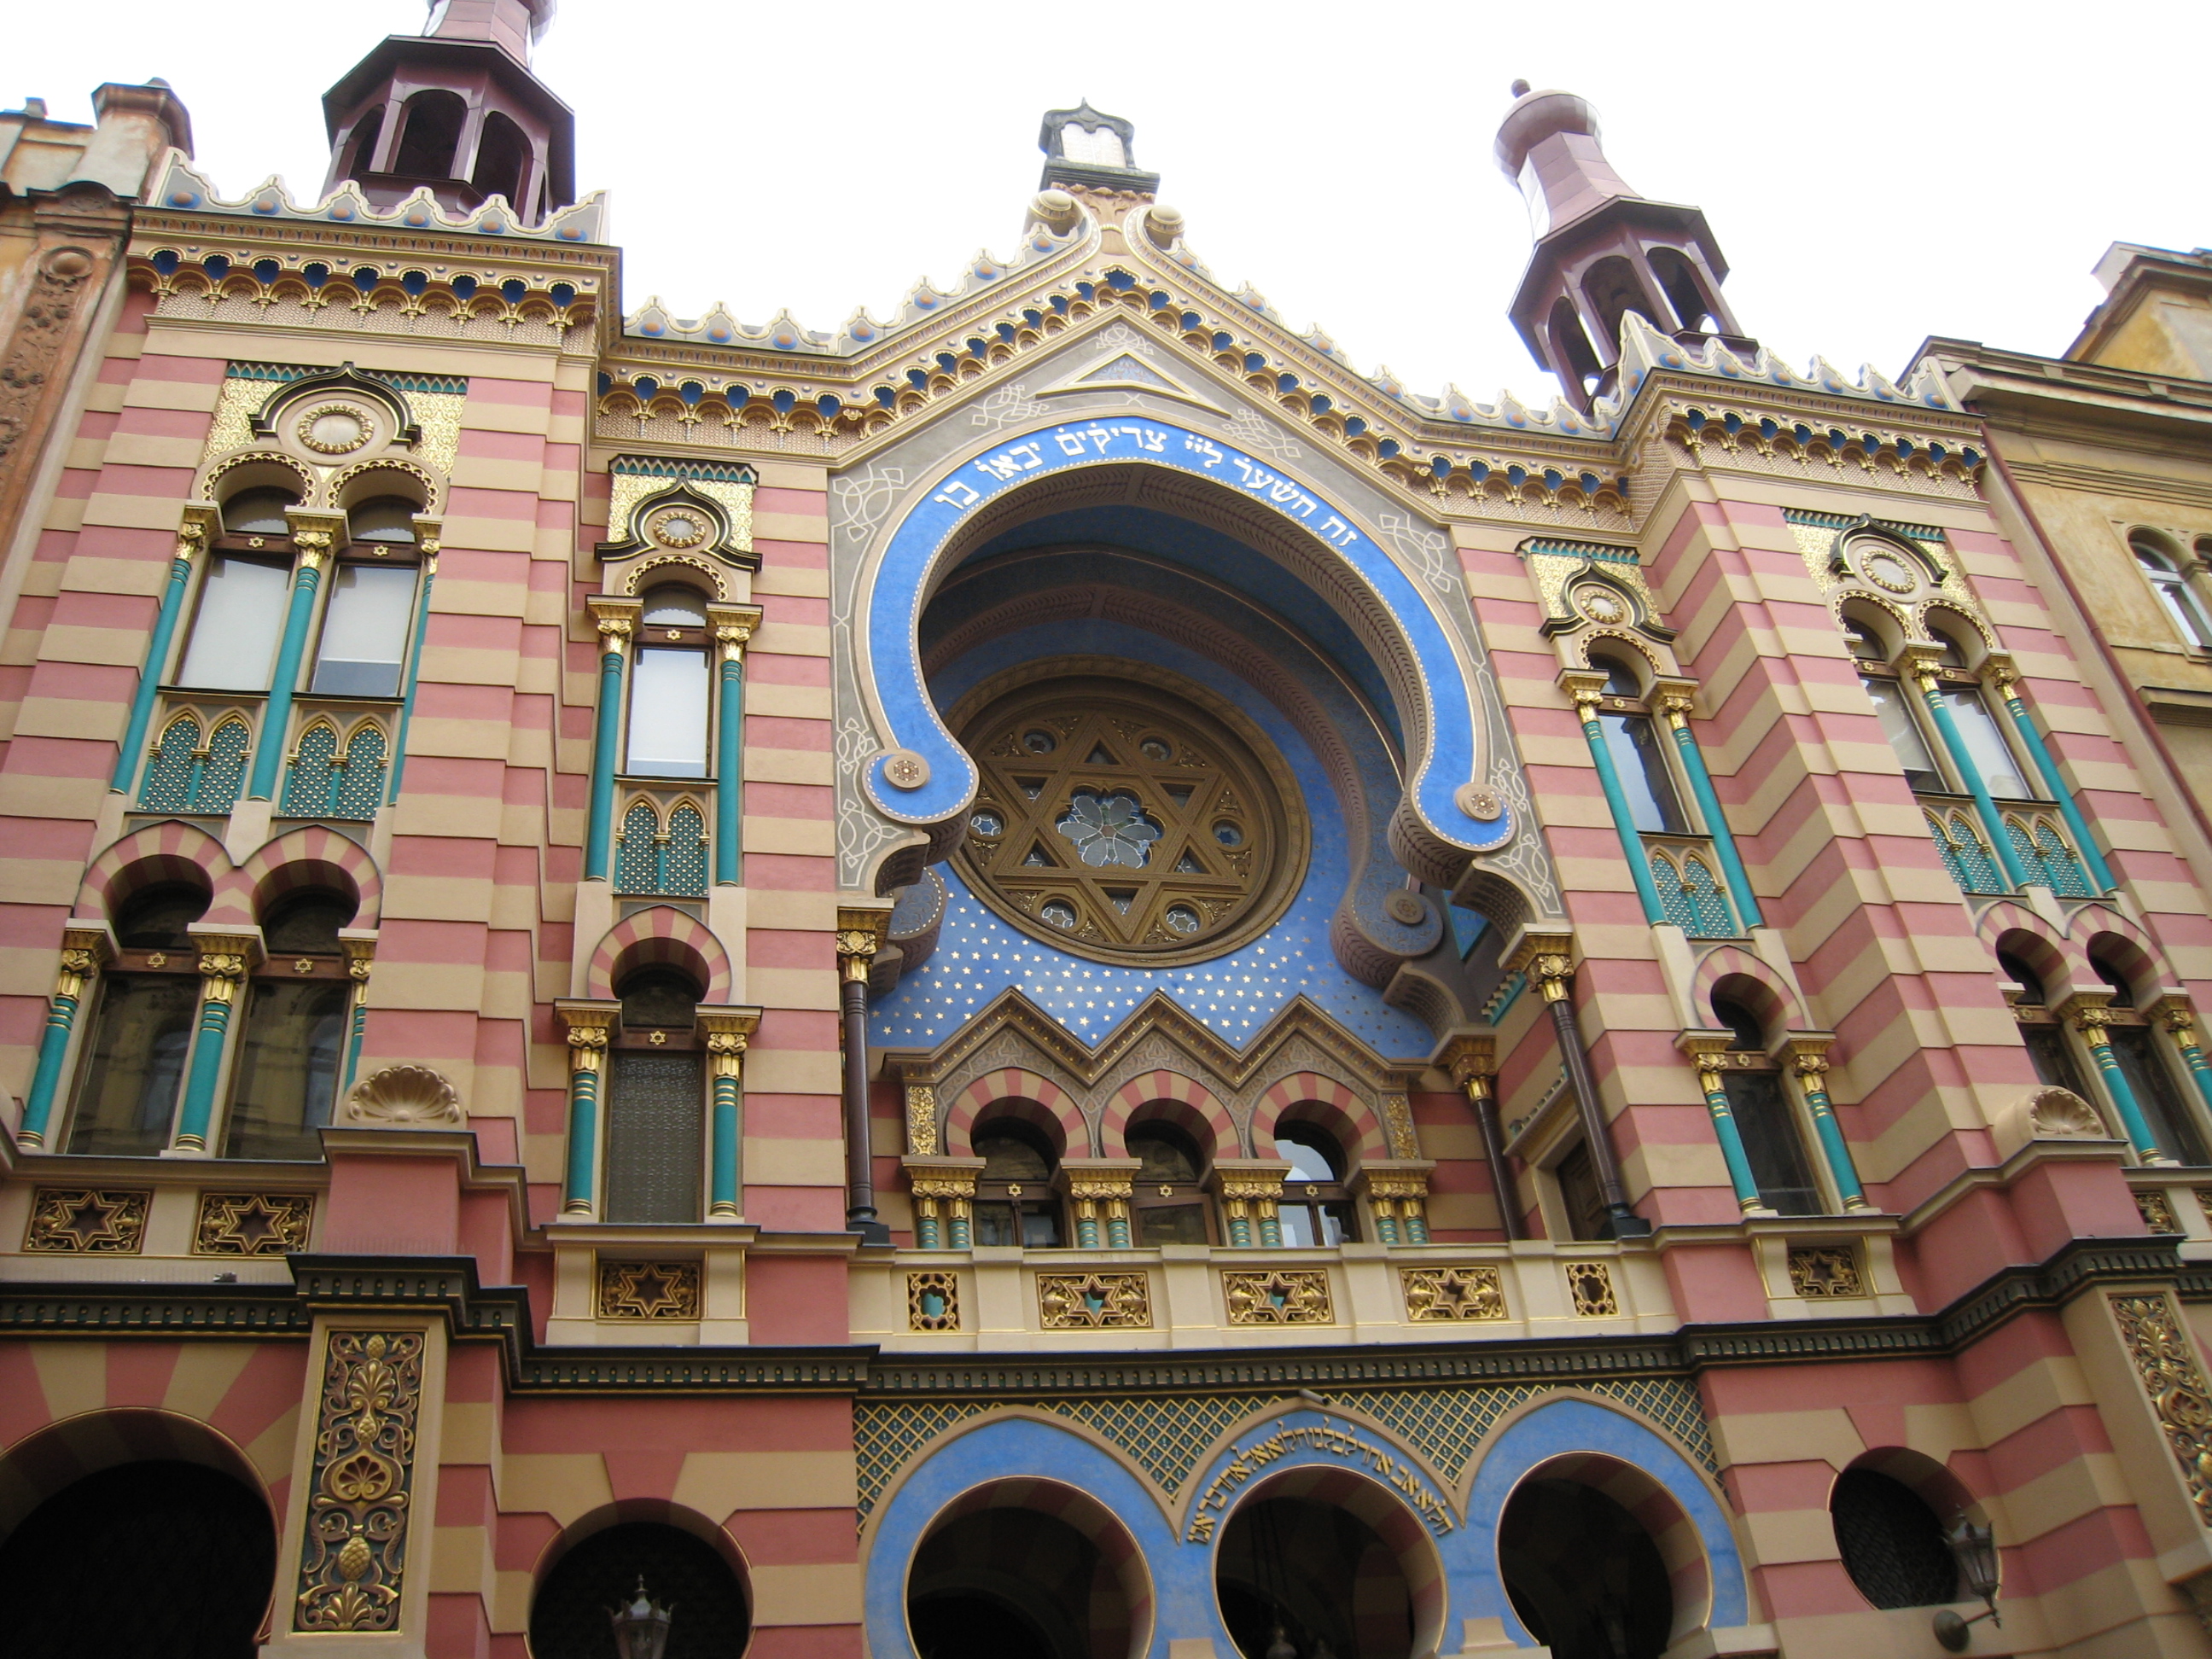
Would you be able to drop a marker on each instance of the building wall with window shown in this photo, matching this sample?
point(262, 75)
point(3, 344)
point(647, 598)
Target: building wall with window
point(1054, 974)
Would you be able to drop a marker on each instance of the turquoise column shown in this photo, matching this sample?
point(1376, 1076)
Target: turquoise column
point(606, 739)
point(1708, 807)
point(276, 720)
point(1086, 1225)
point(1811, 1069)
point(76, 969)
point(961, 1225)
point(2091, 1023)
point(413, 668)
point(1984, 807)
point(2180, 1022)
point(1632, 844)
point(726, 1037)
point(928, 1231)
point(1724, 1129)
point(2084, 842)
point(1117, 1224)
point(221, 970)
point(587, 1049)
point(133, 753)
point(357, 969)
point(729, 756)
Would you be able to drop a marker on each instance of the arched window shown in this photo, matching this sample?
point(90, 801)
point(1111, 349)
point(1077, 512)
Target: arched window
point(1684, 294)
point(361, 148)
point(1170, 1206)
point(239, 621)
point(707, 1615)
point(2161, 570)
point(292, 1044)
point(669, 686)
point(656, 1102)
point(1764, 1119)
point(1639, 756)
point(1988, 749)
point(363, 648)
point(1893, 706)
point(430, 134)
point(1583, 1574)
point(388, 519)
point(1572, 358)
point(2046, 1040)
point(1892, 1542)
point(259, 512)
point(135, 1055)
point(1614, 291)
point(1015, 1203)
point(503, 154)
point(203, 1550)
point(2144, 1062)
point(1317, 1207)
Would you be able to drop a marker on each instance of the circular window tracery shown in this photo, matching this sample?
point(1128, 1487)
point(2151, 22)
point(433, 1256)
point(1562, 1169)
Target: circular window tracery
point(1125, 823)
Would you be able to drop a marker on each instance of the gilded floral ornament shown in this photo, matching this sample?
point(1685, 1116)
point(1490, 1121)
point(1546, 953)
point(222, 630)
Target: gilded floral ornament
point(354, 1549)
point(2164, 1356)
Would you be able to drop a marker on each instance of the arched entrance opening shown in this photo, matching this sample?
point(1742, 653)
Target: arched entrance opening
point(695, 1580)
point(1028, 1570)
point(1587, 1551)
point(1329, 1564)
point(194, 1549)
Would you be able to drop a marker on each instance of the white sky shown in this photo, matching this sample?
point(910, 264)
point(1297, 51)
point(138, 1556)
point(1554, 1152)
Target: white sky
point(1875, 173)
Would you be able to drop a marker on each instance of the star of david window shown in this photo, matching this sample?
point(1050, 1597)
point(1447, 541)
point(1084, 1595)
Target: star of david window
point(1122, 822)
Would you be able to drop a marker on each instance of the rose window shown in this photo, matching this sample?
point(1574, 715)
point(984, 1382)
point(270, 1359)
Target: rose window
point(1117, 820)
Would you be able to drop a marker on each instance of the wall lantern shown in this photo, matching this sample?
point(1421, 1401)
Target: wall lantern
point(1975, 1550)
point(641, 1627)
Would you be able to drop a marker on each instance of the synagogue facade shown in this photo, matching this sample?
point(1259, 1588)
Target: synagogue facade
point(1053, 978)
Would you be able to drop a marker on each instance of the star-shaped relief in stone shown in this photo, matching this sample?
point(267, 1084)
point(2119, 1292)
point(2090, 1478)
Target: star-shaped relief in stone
point(252, 1224)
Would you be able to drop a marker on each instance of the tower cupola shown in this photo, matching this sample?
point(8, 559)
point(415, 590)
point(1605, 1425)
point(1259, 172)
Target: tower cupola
point(456, 109)
point(1602, 250)
point(1088, 153)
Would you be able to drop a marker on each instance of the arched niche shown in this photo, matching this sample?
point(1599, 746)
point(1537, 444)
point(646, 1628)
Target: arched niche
point(925, 780)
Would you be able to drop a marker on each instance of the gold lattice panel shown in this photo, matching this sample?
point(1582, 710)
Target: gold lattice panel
point(1166, 1434)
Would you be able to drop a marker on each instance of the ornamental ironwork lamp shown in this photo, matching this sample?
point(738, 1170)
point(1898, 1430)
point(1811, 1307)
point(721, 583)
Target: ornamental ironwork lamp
point(641, 1627)
point(1974, 1548)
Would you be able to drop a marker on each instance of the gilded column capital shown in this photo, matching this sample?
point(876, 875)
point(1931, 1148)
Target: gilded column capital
point(1807, 1052)
point(727, 1033)
point(224, 960)
point(1547, 958)
point(859, 936)
point(733, 626)
point(1999, 670)
point(85, 949)
point(1708, 1051)
point(2178, 1016)
point(1587, 690)
point(1924, 663)
point(201, 524)
point(591, 1028)
point(942, 1177)
point(1471, 1062)
point(616, 618)
point(2088, 1012)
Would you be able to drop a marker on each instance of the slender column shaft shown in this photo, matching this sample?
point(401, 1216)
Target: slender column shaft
point(928, 1230)
point(587, 1054)
point(1715, 1089)
point(1616, 799)
point(961, 1224)
point(1117, 1224)
point(859, 1178)
point(725, 1051)
point(1812, 1069)
point(2092, 1023)
point(1552, 974)
point(606, 740)
point(1709, 805)
point(1271, 1224)
point(132, 755)
point(2055, 781)
point(357, 969)
point(1239, 1215)
point(1493, 1149)
point(414, 667)
point(78, 964)
point(1386, 1220)
point(220, 974)
point(276, 718)
point(2181, 1022)
point(1984, 807)
point(729, 763)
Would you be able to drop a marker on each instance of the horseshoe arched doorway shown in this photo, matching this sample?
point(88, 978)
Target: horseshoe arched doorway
point(1329, 1564)
point(1028, 1570)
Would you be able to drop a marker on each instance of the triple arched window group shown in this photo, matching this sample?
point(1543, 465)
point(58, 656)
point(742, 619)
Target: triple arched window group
point(282, 1056)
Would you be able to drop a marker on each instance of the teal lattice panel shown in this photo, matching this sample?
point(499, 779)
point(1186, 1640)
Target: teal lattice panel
point(1166, 1436)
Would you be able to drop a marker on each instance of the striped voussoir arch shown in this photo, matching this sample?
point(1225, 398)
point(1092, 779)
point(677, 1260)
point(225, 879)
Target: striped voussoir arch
point(1353, 1120)
point(312, 856)
point(63, 1453)
point(1012, 1083)
point(663, 1511)
point(1089, 1517)
point(1171, 1098)
point(1732, 961)
point(1660, 1516)
point(2126, 943)
point(1401, 1531)
point(147, 857)
point(661, 935)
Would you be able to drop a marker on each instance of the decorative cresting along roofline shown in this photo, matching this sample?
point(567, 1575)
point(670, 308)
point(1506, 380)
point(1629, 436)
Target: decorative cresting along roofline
point(1133, 261)
point(184, 188)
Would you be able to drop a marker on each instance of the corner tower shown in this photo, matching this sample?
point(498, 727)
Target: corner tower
point(457, 110)
point(1602, 250)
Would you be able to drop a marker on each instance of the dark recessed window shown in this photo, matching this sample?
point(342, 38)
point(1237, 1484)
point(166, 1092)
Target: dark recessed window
point(1892, 1545)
